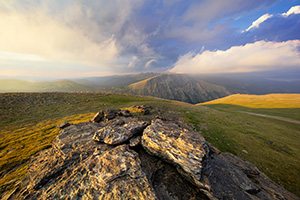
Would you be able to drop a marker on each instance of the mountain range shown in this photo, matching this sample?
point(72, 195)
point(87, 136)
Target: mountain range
point(181, 87)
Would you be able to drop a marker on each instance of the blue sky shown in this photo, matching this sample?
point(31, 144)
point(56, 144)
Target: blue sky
point(61, 38)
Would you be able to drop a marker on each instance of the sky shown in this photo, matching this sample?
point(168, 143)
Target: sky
point(64, 38)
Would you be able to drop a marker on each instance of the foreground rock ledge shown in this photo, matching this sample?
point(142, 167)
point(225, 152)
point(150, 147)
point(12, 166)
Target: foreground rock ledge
point(120, 157)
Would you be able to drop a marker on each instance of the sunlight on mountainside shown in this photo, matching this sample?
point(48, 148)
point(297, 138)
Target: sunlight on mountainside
point(260, 101)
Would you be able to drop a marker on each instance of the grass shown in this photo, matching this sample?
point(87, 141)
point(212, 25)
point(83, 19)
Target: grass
point(282, 105)
point(292, 113)
point(28, 125)
point(270, 144)
point(260, 101)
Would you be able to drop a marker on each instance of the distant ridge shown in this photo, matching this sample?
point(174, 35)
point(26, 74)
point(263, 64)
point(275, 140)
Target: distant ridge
point(113, 81)
point(181, 87)
point(15, 85)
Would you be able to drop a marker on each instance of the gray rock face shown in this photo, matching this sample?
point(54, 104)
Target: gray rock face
point(186, 149)
point(120, 131)
point(134, 160)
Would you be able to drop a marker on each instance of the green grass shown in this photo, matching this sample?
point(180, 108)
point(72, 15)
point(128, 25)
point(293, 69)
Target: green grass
point(28, 125)
point(292, 113)
point(271, 144)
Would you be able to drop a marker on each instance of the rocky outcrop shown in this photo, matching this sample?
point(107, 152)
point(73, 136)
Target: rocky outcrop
point(120, 131)
point(120, 157)
point(185, 149)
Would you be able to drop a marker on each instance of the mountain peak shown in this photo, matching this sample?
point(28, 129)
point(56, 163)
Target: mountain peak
point(180, 87)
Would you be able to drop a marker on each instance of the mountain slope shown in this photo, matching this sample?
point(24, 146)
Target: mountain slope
point(15, 85)
point(260, 101)
point(180, 87)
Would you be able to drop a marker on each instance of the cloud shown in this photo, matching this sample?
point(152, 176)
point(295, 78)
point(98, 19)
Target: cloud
point(260, 20)
point(73, 32)
point(130, 36)
point(258, 56)
point(292, 10)
point(150, 62)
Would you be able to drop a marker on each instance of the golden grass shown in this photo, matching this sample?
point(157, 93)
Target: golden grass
point(141, 84)
point(19, 144)
point(260, 101)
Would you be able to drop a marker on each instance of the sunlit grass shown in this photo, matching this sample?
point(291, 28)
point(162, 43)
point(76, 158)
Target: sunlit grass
point(260, 101)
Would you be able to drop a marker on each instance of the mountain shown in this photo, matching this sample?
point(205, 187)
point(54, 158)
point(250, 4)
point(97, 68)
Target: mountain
point(113, 81)
point(181, 87)
point(15, 85)
point(188, 88)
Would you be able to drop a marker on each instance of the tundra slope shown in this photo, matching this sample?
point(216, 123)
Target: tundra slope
point(116, 156)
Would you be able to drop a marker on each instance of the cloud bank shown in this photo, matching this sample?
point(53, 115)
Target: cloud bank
point(108, 37)
point(258, 56)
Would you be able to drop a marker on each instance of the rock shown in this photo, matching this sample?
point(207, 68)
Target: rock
point(142, 109)
point(119, 171)
point(106, 115)
point(63, 125)
point(186, 149)
point(98, 117)
point(135, 141)
point(110, 114)
point(87, 170)
point(218, 175)
point(173, 162)
point(125, 113)
point(120, 132)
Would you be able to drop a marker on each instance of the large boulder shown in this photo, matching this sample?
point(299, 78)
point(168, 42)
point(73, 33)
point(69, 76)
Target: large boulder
point(185, 149)
point(218, 175)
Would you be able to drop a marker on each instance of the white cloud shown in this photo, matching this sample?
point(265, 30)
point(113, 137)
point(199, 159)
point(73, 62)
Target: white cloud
point(260, 20)
point(292, 10)
point(258, 56)
point(80, 32)
point(149, 63)
point(39, 34)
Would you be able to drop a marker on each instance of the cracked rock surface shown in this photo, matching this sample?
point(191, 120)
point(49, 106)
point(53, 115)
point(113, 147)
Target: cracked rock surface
point(117, 156)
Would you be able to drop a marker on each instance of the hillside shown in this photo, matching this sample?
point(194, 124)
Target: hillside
point(260, 101)
point(28, 125)
point(15, 85)
point(181, 87)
